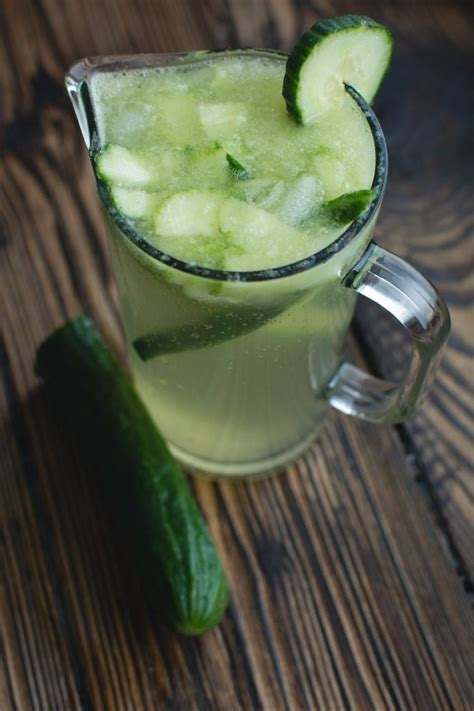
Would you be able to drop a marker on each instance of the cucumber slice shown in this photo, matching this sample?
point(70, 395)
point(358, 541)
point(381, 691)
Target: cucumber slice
point(265, 240)
point(119, 166)
point(216, 329)
point(135, 203)
point(348, 207)
point(189, 215)
point(187, 227)
point(351, 50)
point(225, 233)
point(236, 168)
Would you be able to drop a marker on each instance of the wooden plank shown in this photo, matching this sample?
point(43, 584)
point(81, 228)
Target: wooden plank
point(34, 645)
point(342, 595)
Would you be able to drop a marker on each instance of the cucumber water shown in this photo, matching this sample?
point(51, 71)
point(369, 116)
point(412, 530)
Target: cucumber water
point(208, 166)
point(201, 161)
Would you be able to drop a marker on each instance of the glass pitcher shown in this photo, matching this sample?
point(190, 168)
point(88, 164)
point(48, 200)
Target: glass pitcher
point(239, 369)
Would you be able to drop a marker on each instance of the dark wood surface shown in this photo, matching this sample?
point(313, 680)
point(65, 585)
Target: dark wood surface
point(350, 574)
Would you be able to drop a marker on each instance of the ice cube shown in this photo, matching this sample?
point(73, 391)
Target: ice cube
point(300, 198)
point(128, 126)
point(221, 120)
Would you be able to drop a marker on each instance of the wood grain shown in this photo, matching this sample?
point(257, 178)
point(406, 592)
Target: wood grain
point(428, 218)
point(344, 590)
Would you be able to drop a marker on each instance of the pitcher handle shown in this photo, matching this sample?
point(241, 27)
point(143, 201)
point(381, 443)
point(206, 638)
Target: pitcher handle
point(407, 295)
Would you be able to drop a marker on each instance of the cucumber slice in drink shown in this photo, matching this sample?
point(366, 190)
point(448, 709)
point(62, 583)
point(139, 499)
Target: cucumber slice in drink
point(216, 329)
point(225, 233)
point(264, 240)
point(189, 215)
point(351, 50)
point(136, 204)
point(118, 166)
point(187, 227)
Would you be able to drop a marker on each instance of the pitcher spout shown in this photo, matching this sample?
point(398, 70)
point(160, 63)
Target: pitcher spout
point(76, 81)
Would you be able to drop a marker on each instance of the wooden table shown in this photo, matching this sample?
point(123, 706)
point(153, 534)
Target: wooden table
point(350, 574)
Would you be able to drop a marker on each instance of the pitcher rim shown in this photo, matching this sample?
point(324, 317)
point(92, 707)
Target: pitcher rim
point(77, 78)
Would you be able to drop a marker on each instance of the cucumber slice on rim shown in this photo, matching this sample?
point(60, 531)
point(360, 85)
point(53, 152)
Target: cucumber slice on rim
point(351, 50)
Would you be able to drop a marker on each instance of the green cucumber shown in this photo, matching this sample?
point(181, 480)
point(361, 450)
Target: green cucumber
point(120, 167)
point(206, 227)
point(351, 50)
point(135, 203)
point(237, 169)
point(181, 570)
point(188, 215)
point(261, 235)
point(348, 207)
point(216, 329)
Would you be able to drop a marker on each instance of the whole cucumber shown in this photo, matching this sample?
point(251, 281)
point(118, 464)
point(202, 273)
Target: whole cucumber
point(181, 570)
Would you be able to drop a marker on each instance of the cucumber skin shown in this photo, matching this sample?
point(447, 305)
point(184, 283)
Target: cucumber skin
point(305, 45)
point(182, 574)
point(217, 329)
point(236, 168)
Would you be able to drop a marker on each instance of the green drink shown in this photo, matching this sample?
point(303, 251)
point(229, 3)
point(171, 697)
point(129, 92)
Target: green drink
point(230, 243)
point(247, 399)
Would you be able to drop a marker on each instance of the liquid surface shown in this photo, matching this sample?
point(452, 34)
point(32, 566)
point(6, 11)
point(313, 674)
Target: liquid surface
point(206, 164)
